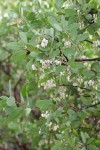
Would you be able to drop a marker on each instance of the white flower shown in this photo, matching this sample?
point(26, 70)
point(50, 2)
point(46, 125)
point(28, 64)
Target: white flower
point(46, 63)
point(78, 12)
point(63, 40)
point(57, 62)
point(49, 84)
point(50, 124)
point(96, 43)
point(44, 43)
point(40, 132)
point(68, 78)
point(75, 84)
point(45, 115)
point(37, 46)
point(67, 44)
point(62, 73)
point(85, 83)
point(80, 79)
point(91, 83)
point(55, 127)
point(62, 95)
point(34, 67)
point(95, 17)
point(81, 24)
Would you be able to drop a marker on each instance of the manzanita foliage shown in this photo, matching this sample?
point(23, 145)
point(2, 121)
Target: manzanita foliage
point(49, 75)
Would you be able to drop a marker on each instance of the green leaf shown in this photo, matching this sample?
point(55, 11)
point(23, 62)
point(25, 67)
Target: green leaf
point(19, 56)
point(15, 114)
point(53, 22)
point(27, 111)
point(2, 104)
point(74, 64)
point(49, 32)
point(69, 51)
point(44, 104)
point(73, 26)
point(59, 3)
point(70, 12)
point(32, 48)
point(23, 36)
point(11, 101)
point(57, 146)
point(64, 23)
point(96, 66)
point(92, 147)
point(14, 46)
point(88, 74)
point(82, 37)
point(83, 137)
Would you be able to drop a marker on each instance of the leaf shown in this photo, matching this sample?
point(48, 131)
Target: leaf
point(11, 101)
point(2, 104)
point(57, 146)
point(19, 56)
point(64, 23)
point(58, 69)
point(23, 36)
point(83, 137)
point(54, 54)
point(76, 64)
point(15, 114)
point(96, 66)
point(59, 3)
point(73, 26)
point(82, 37)
point(44, 104)
point(70, 12)
point(32, 48)
point(5, 98)
point(69, 51)
point(27, 111)
point(92, 147)
point(88, 74)
point(49, 32)
point(14, 46)
point(53, 22)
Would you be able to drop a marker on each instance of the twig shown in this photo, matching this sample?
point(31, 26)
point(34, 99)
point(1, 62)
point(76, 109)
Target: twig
point(75, 86)
point(87, 59)
point(93, 105)
point(91, 42)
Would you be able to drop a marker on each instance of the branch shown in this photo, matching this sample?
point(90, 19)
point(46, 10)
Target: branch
point(93, 105)
point(16, 91)
point(75, 86)
point(87, 59)
point(91, 42)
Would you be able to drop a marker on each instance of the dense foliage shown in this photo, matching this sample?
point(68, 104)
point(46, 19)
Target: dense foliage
point(49, 75)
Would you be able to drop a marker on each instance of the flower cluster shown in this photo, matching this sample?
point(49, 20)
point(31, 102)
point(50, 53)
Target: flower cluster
point(57, 62)
point(89, 83)
point(96, 43)
point(48, 62)
point(61, 92)
point(44, 43)
point(48, 84)
point(45, 115)
point(52, 126)
point(34, 67)
point(67, 44)
point(81, 25)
